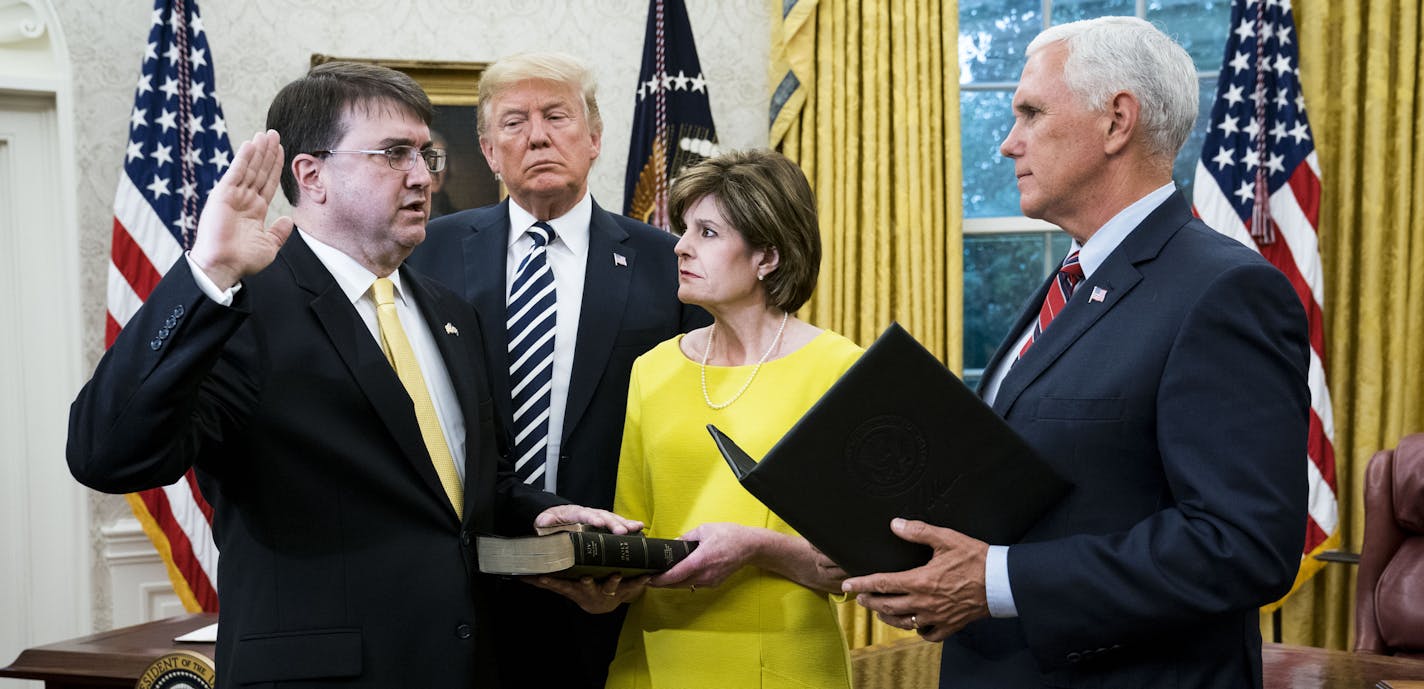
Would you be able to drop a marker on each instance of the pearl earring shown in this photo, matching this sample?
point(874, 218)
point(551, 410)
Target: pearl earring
point(760, 277)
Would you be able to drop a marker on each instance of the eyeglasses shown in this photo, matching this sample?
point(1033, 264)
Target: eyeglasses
point(401, 157)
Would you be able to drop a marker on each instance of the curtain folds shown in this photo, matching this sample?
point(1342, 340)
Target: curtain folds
point(1364, 89)
point(877, 133)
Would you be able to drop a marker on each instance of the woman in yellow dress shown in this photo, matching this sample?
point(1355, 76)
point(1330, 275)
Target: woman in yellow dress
point(751, 606)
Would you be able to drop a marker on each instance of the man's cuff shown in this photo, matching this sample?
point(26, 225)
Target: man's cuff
point(207, 285)
point(996, 583)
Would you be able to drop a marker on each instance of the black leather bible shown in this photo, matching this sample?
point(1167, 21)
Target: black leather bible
point(574, 553)
point(897, 436)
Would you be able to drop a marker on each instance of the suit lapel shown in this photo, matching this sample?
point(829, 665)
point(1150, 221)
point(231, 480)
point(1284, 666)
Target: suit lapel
point(605, 294)
point(363, 357)
point(1113, 280)
point(459, 364)
point(484, 251)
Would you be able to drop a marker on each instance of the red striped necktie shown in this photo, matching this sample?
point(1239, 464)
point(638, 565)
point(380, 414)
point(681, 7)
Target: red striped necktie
point(1069, 275)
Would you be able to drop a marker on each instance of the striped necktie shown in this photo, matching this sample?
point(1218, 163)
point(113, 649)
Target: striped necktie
point(402, 358)
point(1069, 275)
point(530, 320)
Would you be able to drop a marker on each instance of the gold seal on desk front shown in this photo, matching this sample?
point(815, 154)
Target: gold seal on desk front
point(179, 670)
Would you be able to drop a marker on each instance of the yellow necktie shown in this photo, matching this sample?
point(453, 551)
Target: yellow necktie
point(398, 350)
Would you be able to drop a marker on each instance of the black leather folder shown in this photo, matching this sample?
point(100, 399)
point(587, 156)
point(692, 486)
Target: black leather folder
point(897, 436)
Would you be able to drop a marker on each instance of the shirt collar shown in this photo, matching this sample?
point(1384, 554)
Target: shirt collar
point(352, 277)
point(571, 228)
point(1111, 234)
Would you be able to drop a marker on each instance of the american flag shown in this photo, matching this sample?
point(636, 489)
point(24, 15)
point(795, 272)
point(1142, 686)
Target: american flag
point(1258, 181)
point(672, 122)
point(177, 149)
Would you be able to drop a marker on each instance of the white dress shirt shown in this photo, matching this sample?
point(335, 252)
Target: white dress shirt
point(567, 256)
point(1090, 256)
point(355, 281)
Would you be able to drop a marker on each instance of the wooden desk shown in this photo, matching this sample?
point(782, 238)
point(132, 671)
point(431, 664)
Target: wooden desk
point(108, 659)
point(1303, 667)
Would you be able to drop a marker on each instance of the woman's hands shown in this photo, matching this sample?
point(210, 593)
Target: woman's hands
point(594, 596)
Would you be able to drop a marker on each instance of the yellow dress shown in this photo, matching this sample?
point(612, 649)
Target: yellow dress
point(757, 629)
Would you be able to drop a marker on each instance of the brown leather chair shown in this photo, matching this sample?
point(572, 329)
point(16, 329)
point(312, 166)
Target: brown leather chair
point(1389, 598)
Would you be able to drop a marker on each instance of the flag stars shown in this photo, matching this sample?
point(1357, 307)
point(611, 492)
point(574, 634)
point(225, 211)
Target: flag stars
point(1245, 30)
point(195, 124)
point(1224, 157)
point(172, 54)
point(1300, 132)
point(1229, 125)
point(1246, 192)
point(1233, 94)
point(167, 120)
point(679, 82)
point(1252, 159)
point(198, 92)
point(1278, 132)
point(1283, 65)
point(1240, 63)
point(188, 190)
point(169, 87)
point(1268, 31)
point(159, 187)
point(163, 155)
point(1282, 99)
point(1275, 162)
point(220, 159)
point(145, 83)
point(150, 52)
point(193, 156)
point(1284, 35)
point(139, 118)
point(218, 126)
point(199, 57)
point(135, 151)
point(157, 18)
point(1253, 127)
point(196, 24)
point(175, 22)
point(699, 85)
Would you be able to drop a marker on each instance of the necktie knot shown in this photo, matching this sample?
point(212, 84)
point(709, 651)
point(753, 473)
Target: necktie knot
point(384, 291)
point(1072, 268)
point(541, 233)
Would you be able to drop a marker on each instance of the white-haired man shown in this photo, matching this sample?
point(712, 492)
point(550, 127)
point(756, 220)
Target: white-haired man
point(1162, 371)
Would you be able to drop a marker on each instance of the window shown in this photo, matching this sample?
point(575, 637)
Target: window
point(1006, 255)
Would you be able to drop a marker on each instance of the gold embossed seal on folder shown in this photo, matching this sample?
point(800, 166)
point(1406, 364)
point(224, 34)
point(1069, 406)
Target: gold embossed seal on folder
point(179, 670)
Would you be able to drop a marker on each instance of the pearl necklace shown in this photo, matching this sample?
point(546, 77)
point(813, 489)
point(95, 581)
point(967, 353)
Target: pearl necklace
point(707, 352)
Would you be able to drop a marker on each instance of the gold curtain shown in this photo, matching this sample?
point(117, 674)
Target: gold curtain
point(877, 133)
point(1360, 66)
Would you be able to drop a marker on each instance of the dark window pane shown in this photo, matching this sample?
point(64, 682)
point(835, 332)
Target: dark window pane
point(1184, 170)
point(1199, 25)
point(985, 118)
point(1065, 11)
point(993, 35)
point(1001, 272)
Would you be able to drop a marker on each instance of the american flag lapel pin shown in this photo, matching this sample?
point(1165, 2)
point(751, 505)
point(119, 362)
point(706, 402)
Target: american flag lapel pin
point(1098, 295)
point(619, 260)
point(450, 329)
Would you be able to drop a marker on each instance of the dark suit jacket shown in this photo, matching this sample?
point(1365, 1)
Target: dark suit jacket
point(626, 310)
point(343, 562)
point(1177, 404)
point(629, 305)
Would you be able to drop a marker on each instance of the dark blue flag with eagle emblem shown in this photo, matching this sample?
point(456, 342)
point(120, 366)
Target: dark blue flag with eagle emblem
point(672, 121)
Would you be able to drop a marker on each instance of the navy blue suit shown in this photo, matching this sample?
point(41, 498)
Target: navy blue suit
point(629, 305)
point(343, 562)
point(1177, 404)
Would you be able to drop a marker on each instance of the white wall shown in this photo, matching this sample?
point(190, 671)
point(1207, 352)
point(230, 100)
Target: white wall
point(259, 45)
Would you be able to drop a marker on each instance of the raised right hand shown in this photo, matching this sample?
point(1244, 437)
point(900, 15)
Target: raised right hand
point(233, 240)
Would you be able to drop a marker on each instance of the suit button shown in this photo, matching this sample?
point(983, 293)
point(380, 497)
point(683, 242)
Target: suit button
point(172, 322)
point(163, 333)
point(155, 343)
point(1074, 657)
point(464, 631)
point(177, 311)
point(464, 538)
